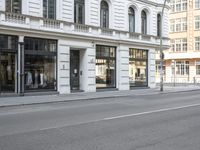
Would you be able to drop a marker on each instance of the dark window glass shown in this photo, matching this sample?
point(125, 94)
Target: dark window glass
point(144, 22)
point(40, 64)
point(79, 11)
point(105, 67)
point(13, 6)
point(8, 42)
point(49, 9)
point(40, 72)
point(158, 25)
point(138, 62)
point(131, 14)
point(7, 72)
point(34, 44)
point(104, 14)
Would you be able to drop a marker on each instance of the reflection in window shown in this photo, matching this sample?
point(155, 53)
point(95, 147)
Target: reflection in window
point(104, 14)
point(7, 72)
point(144, 22)
point(105, 66)
point(79, 11)
point(131, 14)
point(138, 67)
point(13, 6)
point(8, 42)
point(40, 44)
point(40, 64)
point(49, 9)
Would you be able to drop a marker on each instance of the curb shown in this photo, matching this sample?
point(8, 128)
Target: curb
point(94, 98)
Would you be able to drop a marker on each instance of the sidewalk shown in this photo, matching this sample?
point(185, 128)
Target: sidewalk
point(30, 100)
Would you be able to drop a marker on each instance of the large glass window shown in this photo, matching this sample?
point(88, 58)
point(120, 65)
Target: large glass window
point(138, 62)
point(131, 14)
point(104, 20)
point(40, 64)
point(13, 6)
point(8, 62)
point(105, 67)
point(49, 9)
point(79, 11)
point(144, 22)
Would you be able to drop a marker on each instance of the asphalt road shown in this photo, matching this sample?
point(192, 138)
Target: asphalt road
point(152, 122)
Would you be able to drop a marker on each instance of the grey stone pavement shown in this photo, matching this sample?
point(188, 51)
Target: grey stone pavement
point(42, 99)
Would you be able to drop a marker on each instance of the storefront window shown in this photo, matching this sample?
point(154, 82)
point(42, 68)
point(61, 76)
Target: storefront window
point(8, 62)
point(7, 72)
point(138, 67)
point(105, 67)
point(40, 64)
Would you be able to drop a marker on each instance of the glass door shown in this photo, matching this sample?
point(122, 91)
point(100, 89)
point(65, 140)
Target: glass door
point(7, 72)
point(74, 69)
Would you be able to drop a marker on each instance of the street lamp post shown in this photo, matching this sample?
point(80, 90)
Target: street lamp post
point(161, 49)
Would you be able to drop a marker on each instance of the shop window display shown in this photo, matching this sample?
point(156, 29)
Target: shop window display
point(40, 64)
point(8, 63)
point(105, 67)
point(138, 67)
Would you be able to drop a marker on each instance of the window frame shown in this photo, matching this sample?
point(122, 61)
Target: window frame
point(11, 9)
point(131, 14)
point(77, 14)
point(46, 12)
point(143, 22)
point(104, 14)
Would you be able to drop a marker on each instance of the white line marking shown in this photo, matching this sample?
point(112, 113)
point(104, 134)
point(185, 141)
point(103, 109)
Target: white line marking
point(151, 112)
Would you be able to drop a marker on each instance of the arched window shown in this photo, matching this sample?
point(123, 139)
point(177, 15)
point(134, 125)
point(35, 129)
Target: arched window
point(104, 20)
point(131, 14)
point(79, 11)
point(144, 22)
point(158, 24)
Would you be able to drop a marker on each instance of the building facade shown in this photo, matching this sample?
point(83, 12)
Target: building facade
point(78, 45)
point(182, 60)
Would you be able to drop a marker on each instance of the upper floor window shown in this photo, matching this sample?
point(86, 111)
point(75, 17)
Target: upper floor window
point(49, 9)
point(178, 5)
point(144, 22)
point(158, 25)
point(79, 11)
point(131, 14)
point(178, 45)
point(197, 22)
point(197, 4)
point(178, 25)
point(197, 43)
point(104, 14)
point(14, 6)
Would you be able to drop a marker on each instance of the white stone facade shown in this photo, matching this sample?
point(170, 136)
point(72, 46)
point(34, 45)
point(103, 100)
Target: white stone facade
point(85, 37)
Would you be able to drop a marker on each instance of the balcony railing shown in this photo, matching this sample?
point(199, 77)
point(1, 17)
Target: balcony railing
point(49, 23)
point(81, 28)
point(39, 23)
point(15, 18)
point(107, 32)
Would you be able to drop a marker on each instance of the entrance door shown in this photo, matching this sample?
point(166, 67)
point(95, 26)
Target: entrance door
point(7, 72)
point(74, 69)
